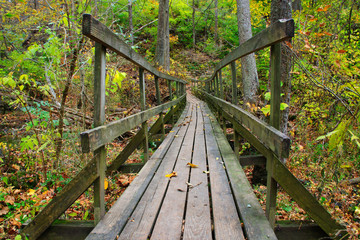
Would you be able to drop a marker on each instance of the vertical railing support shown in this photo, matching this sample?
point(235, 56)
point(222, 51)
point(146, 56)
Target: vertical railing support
point(143, 108)
point(221, 85)
point(234, 84)
point(217, 84)
point(99, 119)
point(170, 99)
point(158, 100)
point(275, 62)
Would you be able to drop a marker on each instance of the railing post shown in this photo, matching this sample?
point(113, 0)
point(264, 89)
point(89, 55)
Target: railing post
point(143, 107)
point(170, 98)
point(234, 85)
point(275, 63)
point(99, 119)
point(221, 85)
point(158, 99)
point(217, 84)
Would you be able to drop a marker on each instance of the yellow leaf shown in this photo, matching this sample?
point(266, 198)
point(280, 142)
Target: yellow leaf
point(192, 165)
point(106, 184)
point(31, 192)
point(173, 174)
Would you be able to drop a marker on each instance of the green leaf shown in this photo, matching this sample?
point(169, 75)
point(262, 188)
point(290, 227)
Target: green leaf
point(268, 96)
point(44, 146)
point(283, 106)
point(73, 214)
point(266, 110)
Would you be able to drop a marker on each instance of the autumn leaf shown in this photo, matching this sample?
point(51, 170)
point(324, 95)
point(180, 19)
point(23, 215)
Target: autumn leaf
point(31, 192)
point(106, 184)
point(192, 165)
point(341, 51)
point(10, 200)
point(173, 174)
point(4, 211)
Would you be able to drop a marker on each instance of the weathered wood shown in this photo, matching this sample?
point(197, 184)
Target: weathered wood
point(131, 167)
point(142, 220)
point(98, 32)
point(174, 201)
point(144, 124)
point(97, 137)
point(69, 230)
point(221, 84)
point(252, 160)
point(115, 220)
point(255, 222)
point(62, 201)
point(298, 230)
point(234, 83)
point(306, 201)
point(277, 32)
point(278, 142)
point(226, 219)
point(158, 100)
point(198, 219)
point(99, 119)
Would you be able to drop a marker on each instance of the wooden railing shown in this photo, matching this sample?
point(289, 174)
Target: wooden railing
point(94, 140)
point(266, 138)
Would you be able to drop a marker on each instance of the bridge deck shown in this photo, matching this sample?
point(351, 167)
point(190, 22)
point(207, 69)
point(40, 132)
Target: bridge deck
point(211, 201)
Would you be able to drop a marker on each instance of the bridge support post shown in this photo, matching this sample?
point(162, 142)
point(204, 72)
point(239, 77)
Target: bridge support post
point(234, 85)
point(170, 98)
point(221, 85)
point(275, 122)
point(143, 107)
point(158, 100)
point(99, 119)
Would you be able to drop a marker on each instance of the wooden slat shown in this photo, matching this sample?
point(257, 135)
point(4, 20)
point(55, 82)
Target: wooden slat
point(255, 222)
point(252, 160)
point(98, 32)
point(277, 32)
point(306, 201)
point(62, 201)
point(226, 219)
point(278, 142)
point(174, 202)
point(97, 137)
point(142, 220)
point(198, 219)
point(115, 220)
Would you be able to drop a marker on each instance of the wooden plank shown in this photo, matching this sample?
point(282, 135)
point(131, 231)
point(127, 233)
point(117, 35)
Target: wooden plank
point(142, 220)
point(69, 230)
point(62, 201)
point(277, 141)
point(116, 218)
point(225, 216)
point(306, 201)
point(97, 137)
point(98, 32)
point(99, 119)
point(277, 32)
point(170, 218)
point(198, 218)
point(252, 160)
point(144, 124)
point(255, 222)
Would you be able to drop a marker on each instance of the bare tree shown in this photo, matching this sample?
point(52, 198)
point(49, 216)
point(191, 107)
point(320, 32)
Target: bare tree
point(131, 28)
point(162, 53)
point(216, 29)
point(281, 9)
point(248, 63)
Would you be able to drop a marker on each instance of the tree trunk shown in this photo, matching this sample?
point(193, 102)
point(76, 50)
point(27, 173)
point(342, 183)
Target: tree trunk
point(248, 63)
point(131, 28)
point(162, 53)
point(281, 9)
point(194, 6)
point(216, 36)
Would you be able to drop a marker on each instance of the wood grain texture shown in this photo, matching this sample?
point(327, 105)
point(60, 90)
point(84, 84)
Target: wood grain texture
point(115, 220)
point(197, 215)
point(255, 222)
point(227, 223)
point(98, 32)
point(170, 218)
point(97, 137)
point(277, 141)
point(141, 222)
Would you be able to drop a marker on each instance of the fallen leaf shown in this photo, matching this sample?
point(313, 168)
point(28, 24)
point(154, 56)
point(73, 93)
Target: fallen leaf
point(192, 165)
point(341, 51)
point(173, 174)
point(10, 200)
point(207, 172)
point(106, 184)
point(176, 136)
point(31, 192)
point(180, 190)
point(4, 211)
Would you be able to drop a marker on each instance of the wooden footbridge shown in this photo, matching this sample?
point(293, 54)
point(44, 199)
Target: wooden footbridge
point(193, 186)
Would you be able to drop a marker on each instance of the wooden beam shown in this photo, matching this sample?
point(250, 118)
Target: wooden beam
point(98, 32)
point(158, 100)
point(68, 229)
point(94, 138)
point(234, 83)
point(278, 142)
point(144, 124)
point(277, 32)
point(62, 201)
point(252, 160)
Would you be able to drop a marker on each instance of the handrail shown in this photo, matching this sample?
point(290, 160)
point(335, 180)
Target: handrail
point(98, 32)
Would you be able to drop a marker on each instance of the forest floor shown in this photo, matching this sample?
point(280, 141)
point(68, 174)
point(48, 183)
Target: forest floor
point(24, 190)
